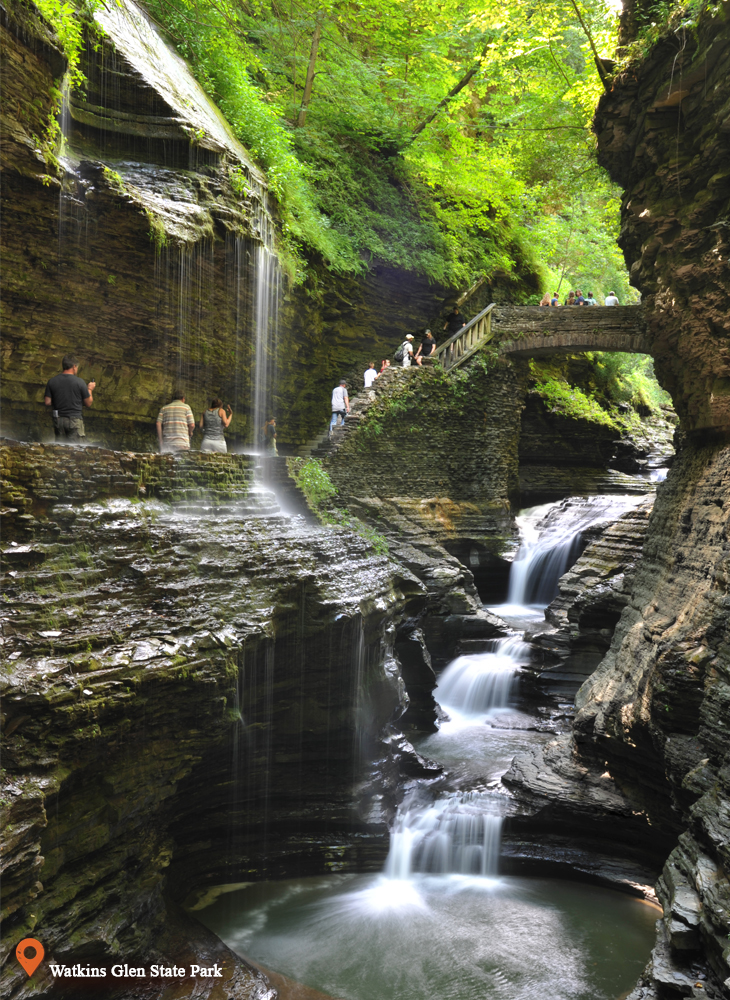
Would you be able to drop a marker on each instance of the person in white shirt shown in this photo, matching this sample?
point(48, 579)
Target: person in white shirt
point(611, 299)
point(340, 405)
point(370, 375)
point(407, 348)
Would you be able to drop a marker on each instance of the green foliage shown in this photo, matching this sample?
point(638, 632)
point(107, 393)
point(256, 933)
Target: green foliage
point(380, 167)
point(654, 18)
point(569, 400)
point(590, 387)
point(314, 481)
point(629, 378)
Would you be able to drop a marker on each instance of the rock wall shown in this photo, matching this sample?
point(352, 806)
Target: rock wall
point(191, 695)
point(663, 136)
point(655, 711)
point(437, 454)
point(652, 721)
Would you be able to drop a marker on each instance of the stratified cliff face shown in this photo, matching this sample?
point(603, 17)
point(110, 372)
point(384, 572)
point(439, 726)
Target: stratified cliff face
point(655, 712)
point(655, 715)
point(190, 697)
point(664, 135)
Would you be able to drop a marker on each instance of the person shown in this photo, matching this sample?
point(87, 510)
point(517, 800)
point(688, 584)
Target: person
point(268, 436)
point(407, 349)
point(385, 364)
point(555, 301)
point(426, 348)
point(590, 301)
point(545, 300)
point(175, 425)
point(611, 299)
point(570, 301)
point(579, 300)
point(370, 375)
point(67, 395)
point(340, 405)
point(213, 422)
point(454, 322)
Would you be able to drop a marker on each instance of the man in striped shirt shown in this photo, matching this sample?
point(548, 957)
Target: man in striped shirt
point(175, 424)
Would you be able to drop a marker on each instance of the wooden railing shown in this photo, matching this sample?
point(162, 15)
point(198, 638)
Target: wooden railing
point(466, 341)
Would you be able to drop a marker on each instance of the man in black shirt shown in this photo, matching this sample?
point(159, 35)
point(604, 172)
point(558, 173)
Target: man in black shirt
point(68, 394)
point(454, 322)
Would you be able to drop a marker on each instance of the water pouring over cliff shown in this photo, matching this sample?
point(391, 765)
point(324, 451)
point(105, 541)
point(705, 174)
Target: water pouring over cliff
point(552, 536)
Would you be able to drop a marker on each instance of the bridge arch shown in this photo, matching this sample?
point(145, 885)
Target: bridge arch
point(534, 331)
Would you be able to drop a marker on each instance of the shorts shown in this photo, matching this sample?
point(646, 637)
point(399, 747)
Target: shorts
point(214, 444)
point(69, 428)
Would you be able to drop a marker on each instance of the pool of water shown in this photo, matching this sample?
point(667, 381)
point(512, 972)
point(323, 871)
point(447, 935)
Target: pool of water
point(441, 937)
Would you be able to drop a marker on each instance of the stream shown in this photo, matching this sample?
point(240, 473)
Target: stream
point(440, 921)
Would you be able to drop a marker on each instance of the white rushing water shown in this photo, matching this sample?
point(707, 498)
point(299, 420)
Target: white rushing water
point(552, 538)
point(456, 834)
point(480, 683)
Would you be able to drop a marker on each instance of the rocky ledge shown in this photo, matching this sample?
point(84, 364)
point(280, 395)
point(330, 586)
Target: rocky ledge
point(174, 672)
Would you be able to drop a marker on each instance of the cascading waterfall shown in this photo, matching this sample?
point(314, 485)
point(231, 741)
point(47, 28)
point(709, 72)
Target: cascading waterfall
point(458, 833)
point(479, 683)
point(552, 538)
point(439, 922)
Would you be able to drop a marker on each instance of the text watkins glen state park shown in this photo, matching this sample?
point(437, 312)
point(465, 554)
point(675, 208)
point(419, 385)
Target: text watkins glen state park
point(136, 971)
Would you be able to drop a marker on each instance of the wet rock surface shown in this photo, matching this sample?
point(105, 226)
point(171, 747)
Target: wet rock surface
point(591, 598)
point(171, 674)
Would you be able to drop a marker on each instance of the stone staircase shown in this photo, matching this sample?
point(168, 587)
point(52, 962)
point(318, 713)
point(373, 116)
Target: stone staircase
point(324, 444)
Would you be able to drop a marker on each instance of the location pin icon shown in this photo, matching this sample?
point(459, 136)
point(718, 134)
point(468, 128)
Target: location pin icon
point(30, 954)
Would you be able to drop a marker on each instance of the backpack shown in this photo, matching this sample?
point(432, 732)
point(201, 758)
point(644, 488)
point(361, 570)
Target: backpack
point(398, 356)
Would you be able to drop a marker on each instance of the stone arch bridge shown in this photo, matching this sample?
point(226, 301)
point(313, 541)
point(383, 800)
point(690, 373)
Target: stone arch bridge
point(534, 331)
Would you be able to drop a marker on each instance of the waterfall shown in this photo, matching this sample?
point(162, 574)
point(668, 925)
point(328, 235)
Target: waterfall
point(552, 538)
point(458, 833)
point(265, 331)
point(479, 683)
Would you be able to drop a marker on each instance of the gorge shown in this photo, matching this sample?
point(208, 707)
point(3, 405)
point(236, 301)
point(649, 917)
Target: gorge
point(459, 720)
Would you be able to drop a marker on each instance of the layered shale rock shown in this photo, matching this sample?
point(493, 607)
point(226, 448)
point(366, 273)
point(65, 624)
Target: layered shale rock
point(193, 694)
point(591, 598)
point(663, 135)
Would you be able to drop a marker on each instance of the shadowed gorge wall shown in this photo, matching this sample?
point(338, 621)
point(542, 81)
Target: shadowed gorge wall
point(663, 136)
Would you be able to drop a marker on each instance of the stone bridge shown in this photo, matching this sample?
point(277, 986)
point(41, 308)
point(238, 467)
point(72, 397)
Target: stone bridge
point(532, 331)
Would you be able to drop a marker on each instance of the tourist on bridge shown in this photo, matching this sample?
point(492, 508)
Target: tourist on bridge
point(384, 365)
point(611, 299)
point(213, 422)
point(590, 301)
point(545, 300)
point(555, 300)
point(67, 395)
point(406, 351)
point(175, 425)
point(426, 348)
point(570, 301)
point(370, 375)
point(579, 300)
point(454, 322)
point(340, 405)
